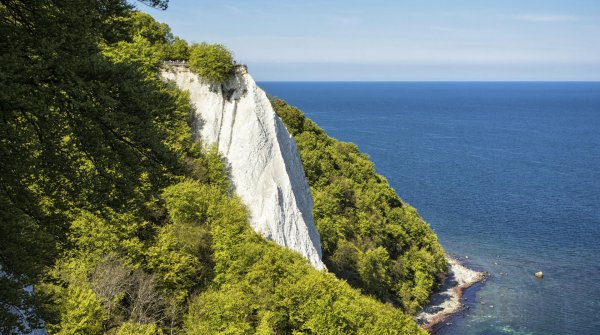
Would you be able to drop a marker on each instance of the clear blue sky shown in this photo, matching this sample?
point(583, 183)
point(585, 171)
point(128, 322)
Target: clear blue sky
point(399, 40)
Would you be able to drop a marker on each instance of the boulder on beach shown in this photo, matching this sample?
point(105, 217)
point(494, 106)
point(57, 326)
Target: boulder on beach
point(539, 275)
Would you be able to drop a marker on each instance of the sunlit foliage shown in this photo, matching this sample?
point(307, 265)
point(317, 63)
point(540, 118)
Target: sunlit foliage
point(369, 236)
point(211, 61)
point(124, 225)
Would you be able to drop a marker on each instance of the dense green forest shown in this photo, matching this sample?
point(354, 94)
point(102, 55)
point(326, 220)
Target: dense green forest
point(369, 236)
point(124, 225)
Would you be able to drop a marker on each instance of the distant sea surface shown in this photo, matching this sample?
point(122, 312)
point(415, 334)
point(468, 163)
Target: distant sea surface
point(507, 174)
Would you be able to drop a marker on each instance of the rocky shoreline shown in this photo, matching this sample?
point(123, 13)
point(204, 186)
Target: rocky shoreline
point(447, 300)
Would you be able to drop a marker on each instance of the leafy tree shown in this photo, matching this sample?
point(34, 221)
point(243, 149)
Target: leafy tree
point(83, 313)
point(211, 61)
point(144, 26)
point(372, 267)
point(180, 258)
point(179, 50)
point(220, 312)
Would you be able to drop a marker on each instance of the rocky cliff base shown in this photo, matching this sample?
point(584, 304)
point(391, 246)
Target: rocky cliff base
point(447, 300)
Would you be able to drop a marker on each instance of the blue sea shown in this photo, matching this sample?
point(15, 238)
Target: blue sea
point(506, 173)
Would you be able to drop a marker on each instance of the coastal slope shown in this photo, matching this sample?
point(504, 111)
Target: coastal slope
point(370, 237)
point(266, 170)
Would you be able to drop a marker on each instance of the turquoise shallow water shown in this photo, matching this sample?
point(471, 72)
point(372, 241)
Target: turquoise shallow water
point(505, 173)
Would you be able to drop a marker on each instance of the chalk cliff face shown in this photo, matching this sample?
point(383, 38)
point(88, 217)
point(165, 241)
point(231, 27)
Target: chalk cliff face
point(265, 166)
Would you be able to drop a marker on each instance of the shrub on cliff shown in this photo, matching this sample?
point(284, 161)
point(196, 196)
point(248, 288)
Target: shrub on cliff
point(178, 50)
point(211, 61)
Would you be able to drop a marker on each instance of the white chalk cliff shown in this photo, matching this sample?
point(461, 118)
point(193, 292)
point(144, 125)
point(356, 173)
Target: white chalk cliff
point(265, 165)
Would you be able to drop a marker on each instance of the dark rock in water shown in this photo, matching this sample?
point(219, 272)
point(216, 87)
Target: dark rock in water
point(539, 275)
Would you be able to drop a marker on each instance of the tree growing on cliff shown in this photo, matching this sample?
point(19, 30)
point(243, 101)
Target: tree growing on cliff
point(211, 61)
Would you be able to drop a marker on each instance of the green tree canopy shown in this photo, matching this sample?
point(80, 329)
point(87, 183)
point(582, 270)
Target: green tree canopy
point(125, 225)
point(211, 61)
point(369, 235)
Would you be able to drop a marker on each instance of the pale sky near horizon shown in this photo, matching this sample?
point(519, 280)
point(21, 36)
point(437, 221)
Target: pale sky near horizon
point(399, 40)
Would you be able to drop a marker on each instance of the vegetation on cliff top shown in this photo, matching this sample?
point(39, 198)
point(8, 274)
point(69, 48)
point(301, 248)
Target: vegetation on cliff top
point(212, 61)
